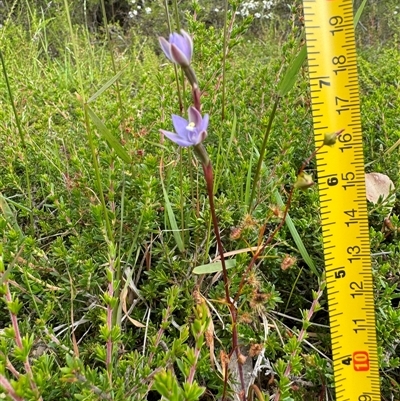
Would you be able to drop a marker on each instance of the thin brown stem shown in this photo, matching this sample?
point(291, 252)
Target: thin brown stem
point(9, 389)
point(192, 371)
point(109, 342)
point(271, 237)
point(208, 174)
point(266, 243)
point(19, 343)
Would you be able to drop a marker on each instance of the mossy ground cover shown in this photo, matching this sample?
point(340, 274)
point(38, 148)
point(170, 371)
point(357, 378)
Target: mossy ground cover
point(99, 244)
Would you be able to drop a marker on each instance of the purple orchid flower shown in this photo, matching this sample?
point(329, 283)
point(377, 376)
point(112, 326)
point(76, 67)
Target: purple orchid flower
point(190, 132)
point(179, 48)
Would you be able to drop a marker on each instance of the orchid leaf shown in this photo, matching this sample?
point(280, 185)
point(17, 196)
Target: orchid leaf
point(172, 220)
point(286, 84)
point(296, 237)
point(108, 136)
point(214, 267)
point(105, 86)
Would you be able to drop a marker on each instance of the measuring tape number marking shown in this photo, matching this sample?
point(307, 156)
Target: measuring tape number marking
point(333, 75)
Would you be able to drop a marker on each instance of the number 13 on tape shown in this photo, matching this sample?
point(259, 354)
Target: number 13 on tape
point(333, 74)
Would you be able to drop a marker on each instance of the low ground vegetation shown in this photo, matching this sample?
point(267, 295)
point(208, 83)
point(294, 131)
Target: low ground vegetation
point(100, 236)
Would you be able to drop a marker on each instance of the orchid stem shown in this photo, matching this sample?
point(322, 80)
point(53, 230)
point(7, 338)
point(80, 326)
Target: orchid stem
point(181, 194)
point(208, 174)
point(180, 99)
point(224, 58)
point(209, 177)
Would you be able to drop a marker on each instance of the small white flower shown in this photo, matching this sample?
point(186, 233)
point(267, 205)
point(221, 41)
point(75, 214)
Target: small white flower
point(257, 15)
point(147, 10)
point(216, 10)
point(139, 7)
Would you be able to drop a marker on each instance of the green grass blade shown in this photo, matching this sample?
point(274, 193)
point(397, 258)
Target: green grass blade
point(291, 73)
point(108, 136)
point(214, 267)
point(105, 87)
point(296, 237)
point(248, 182)
point(9, 214)
point(22, 139)
point(226, 150)
point(359, 13)
point(172, 221)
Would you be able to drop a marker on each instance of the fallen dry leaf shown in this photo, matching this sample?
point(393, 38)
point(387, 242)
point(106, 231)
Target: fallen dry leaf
point(380, 186)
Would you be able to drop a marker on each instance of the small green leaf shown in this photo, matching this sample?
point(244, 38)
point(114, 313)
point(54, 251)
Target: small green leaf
point(359, 12)
point(214, 267)
point(108, 136)
point(296, 237)
point(105, 86)
point(291, 73)
point(172, 221)
point(248, 181)
point(192, 391)
point(182, 367)
point(9, 215)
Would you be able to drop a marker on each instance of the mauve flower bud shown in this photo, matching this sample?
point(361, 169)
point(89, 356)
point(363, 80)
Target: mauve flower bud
point(179, 48)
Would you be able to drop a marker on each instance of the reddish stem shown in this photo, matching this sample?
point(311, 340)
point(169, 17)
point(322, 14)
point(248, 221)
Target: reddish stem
point(208, 174)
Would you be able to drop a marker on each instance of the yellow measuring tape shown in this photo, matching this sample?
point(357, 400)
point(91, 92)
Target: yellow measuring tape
point(335, 104)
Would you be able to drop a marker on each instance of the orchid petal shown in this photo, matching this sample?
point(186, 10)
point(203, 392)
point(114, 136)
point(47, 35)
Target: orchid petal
point(189, 44)
point(190, 132)
point(180, 125)
point(166, 47)
point(194, 116)
point(179, 48)
point(178, 56)
point(201, 137)
point(177, 139)
point(176, 39)
point(204, 123)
